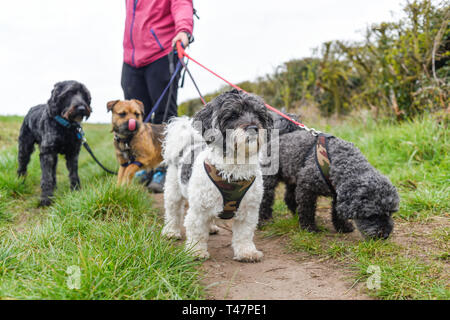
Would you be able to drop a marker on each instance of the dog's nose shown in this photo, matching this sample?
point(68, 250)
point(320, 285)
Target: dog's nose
point(81, 108)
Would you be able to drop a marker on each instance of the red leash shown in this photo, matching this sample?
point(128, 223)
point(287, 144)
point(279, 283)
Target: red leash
point(182, 53)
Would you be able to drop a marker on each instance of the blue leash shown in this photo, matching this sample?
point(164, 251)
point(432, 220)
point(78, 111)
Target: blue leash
point(156, 106)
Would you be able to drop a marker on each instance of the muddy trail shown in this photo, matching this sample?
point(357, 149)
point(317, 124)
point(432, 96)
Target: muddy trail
point(280, 275)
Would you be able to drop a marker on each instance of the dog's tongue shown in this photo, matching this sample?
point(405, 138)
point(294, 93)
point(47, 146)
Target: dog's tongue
point(131, 124)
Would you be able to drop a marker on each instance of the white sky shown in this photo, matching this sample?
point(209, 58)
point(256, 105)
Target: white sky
point(46, 41)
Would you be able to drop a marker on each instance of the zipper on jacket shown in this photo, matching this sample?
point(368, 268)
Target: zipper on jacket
point(156, 38)
point(131, 33)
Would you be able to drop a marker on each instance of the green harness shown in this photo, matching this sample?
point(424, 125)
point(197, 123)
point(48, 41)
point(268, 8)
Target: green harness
point(323, 159)
point(232, 192)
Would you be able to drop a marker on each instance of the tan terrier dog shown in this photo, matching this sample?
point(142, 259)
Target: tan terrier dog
point(138, 144)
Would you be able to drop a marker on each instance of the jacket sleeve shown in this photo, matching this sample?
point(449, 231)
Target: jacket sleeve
point(182, 13)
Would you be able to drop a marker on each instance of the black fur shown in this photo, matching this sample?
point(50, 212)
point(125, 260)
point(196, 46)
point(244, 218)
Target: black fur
point(362, 193)
point(71, 100)
point(283, 125)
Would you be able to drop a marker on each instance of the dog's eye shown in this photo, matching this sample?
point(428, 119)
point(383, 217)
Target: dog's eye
point(122, 114)
point(137, 115)
point(232, 116)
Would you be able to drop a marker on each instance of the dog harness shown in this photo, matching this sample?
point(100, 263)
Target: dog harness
point(127, 149)
point(126, 164)
point(322, 158)
point(232, 191)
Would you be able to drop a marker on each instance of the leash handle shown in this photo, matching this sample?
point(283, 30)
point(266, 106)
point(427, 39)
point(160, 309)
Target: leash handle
point(180, 50)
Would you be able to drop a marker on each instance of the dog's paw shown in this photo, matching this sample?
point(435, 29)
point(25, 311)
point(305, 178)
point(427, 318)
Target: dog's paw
point(21, 174)
point(213, 229)
point(197, 249)
point(346, 227)
point(200, 254)
point(248, 256)
point(75, 187)
point(310, 228)
point(45, 202)
point(171, 234)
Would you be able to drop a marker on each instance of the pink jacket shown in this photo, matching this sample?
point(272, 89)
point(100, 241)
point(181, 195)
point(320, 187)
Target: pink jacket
point(150, 27)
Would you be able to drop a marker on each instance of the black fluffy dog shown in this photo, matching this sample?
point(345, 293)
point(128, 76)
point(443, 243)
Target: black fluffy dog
point(53, 127)
point(358, 190)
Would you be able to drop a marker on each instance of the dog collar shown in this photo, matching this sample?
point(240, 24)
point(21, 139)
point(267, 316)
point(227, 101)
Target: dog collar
point(322, 158)
point(232, 191)
point(69, 124)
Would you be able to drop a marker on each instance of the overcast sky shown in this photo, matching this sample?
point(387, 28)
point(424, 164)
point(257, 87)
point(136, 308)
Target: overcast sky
point(46, 41)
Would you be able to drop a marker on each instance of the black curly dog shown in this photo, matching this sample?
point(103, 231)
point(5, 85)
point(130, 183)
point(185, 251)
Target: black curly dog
point(71, 101)
point(360, 192)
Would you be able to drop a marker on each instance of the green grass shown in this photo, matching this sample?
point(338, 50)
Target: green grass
point(110, 234)
point(414, 155)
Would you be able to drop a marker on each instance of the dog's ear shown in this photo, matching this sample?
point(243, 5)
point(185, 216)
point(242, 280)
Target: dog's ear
point(141, 105)
point(203, 118)
point(87, 97)
point(55, 98)
point(269, 120)
point(110, 105)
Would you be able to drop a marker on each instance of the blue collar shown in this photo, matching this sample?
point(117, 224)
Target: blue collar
point(67, 124)
point(64, 122)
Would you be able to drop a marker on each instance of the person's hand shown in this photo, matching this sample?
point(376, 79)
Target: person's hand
point(181, 36)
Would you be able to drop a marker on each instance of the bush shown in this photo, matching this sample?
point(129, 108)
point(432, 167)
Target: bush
point(401, 69)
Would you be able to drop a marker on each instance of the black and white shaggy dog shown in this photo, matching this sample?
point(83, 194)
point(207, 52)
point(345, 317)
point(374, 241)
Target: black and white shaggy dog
point(70, 102)
point(360, 192)
point(204, 167)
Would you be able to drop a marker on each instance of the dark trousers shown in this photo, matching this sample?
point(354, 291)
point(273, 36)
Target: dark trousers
point(147, 84)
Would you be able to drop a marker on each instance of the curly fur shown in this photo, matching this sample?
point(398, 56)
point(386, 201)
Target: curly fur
point(283, 125)
point(187, 145)
point(70, 100)
point(362, 193)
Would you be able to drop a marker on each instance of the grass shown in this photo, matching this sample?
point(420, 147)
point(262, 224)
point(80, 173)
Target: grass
point(414, 264)
point(102, 242)
point(109, 237)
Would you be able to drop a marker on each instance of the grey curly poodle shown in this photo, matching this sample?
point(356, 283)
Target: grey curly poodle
point(358, 190)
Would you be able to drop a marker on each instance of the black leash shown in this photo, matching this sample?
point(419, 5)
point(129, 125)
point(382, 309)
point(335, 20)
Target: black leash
point(89, 150)
point(193, 81)
point(80, 135)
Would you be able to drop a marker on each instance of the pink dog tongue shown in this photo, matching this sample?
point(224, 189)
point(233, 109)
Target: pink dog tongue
point(131, 124)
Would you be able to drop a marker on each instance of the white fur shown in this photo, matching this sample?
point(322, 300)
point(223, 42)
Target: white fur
point(205, 200)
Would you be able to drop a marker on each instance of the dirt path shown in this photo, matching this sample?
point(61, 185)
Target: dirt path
point(279, 276)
